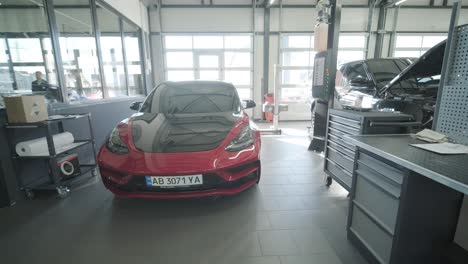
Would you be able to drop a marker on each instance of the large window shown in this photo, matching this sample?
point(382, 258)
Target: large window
point(210, 57)
point(351, 47)
point(88, 71)
point(415, 45)
point(22, 47)
point(297, 61)
point(78, 51)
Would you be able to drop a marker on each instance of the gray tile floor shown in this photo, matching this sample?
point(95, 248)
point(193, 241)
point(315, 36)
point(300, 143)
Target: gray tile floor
point(290, 218)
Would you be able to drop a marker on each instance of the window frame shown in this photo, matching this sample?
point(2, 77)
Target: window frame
point(54, 35)
point(221, 52)
point(420, 48)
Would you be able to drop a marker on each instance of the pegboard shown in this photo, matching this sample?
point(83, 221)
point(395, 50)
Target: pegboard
point(453, 108)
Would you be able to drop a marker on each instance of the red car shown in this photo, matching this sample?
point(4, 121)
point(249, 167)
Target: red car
point(188, 139)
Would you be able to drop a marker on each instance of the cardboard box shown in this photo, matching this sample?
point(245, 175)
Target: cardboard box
point(321, 37)
point(26, 108)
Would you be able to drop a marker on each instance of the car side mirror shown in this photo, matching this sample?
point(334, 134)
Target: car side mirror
point(360, 81)
point(248, 104)
point(135, 106)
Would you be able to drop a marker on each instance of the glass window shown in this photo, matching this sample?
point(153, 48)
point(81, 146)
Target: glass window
point(409, 41)
point(180, 75)
point(345, 56)
point(25, 49)
point(207, 42)
point(414, 46)
point(78, 50)
point(296, 77)
point(179, 59)
point(298, 42)
point(237, 42)
point(296, 58)
point(295, 94)
point(132, 54)
point(244, 93)
point(352, 41)
point(208, 61)
point(222, 57)
point(6, 79)
point(407, 53)
point(209, 75)
point(178, 42)
point(25, 42)
point(24, 75)
point(237, 59)
point(430, 41)
point(237, 77)
point(3, 51)
point(112, 53)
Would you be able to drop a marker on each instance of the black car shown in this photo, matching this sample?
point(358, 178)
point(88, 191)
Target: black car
point(407, 85)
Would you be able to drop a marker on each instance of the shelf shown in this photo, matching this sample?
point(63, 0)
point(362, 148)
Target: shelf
point(73, 146)
point(45, 123)
point(45, 184)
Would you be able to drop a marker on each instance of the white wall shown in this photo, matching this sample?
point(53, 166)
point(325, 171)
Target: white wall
point(134, 10)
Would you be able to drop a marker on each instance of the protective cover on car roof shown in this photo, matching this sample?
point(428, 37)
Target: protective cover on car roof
point(429, 64)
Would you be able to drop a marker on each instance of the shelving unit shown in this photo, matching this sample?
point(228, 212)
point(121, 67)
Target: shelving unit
point(54, 181)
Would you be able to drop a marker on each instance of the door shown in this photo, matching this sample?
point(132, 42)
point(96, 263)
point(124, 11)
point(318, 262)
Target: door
point(208, 66)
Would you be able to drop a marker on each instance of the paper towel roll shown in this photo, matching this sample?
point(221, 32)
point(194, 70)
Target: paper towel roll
point(38, 147)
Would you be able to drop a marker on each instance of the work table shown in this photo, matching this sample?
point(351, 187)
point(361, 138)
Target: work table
point(449, 170)
point(405, 202)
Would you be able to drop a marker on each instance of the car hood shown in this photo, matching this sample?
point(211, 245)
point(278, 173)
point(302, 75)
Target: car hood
point(169, 133)
point(427, 65)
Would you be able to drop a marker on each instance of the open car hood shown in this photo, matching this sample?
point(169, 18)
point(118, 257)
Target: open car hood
point(429, 64)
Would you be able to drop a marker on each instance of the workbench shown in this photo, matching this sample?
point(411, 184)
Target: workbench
point(405, 201)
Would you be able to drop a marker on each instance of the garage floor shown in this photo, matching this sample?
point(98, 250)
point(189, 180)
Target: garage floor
point(289, 218)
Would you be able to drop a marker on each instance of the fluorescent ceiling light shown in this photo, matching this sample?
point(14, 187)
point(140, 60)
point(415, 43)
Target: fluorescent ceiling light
point(270, 2)
point(400, 2)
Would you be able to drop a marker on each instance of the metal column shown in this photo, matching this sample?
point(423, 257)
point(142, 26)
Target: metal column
point(266, 52)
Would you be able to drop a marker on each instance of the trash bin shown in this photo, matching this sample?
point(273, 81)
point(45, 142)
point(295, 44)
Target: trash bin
point(269, 98)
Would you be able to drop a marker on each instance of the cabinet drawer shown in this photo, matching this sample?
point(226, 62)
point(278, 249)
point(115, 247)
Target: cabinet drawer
point(382, 168)
point(340, 173)
point(344, 128)
point(380, 205)
point(340, 158)
point(349, 153)
point(374, 238)
point(346, 121)
point(342, 142)
point(378, 180)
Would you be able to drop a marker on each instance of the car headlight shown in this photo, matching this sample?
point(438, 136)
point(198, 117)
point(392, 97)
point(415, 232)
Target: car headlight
point(243, 140)
point(115, 143)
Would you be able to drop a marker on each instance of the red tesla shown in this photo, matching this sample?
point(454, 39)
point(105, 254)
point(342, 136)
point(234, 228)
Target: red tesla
point(188, 139)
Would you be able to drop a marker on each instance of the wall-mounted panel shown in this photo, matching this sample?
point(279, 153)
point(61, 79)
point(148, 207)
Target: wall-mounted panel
point(207, 19)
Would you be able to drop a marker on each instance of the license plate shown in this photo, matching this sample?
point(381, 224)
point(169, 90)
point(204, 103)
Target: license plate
point(174, 181)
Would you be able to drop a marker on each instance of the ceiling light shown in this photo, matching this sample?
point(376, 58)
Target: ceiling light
point(400, 2)
point(271, 2)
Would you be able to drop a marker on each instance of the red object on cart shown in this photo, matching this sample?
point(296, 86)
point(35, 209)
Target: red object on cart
point(269, 98)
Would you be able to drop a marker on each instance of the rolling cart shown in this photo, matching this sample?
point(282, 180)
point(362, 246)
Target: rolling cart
point(54, 181)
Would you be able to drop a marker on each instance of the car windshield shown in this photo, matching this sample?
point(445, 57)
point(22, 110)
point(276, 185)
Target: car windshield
point(386, 70)
point(192, 98)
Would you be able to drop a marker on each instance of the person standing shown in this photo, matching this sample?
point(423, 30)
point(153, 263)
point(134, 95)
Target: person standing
point(39, 85)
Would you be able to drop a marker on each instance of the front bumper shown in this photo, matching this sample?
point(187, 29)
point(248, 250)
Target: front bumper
point(213, 184)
